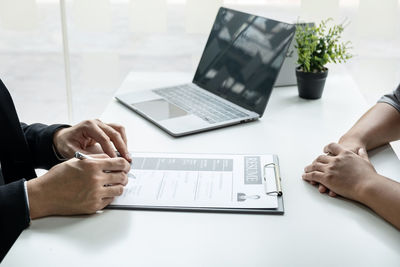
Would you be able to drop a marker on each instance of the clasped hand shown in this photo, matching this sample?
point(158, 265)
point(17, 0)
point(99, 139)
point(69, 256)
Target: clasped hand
point(341, 171)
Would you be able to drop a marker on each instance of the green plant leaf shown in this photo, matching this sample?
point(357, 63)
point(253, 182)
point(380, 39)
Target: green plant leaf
point(319, 45)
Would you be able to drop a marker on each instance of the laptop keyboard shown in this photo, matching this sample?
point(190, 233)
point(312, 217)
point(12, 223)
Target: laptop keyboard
point(210, 109)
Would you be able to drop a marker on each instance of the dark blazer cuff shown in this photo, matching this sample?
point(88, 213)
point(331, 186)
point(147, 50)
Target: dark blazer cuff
point(14, 214)
point(40, 141)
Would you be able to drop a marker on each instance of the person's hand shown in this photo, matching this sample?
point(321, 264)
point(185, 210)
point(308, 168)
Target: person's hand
point(342, 171)
point(348, 142)
point(91, 137)
point(77, 187)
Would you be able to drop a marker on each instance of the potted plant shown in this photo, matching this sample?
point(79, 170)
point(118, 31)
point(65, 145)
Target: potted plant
point(316, 46)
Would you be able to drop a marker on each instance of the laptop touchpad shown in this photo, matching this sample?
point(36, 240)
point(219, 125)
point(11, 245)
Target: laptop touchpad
point(159, 109)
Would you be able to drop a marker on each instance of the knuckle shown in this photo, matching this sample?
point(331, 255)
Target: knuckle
point(104, 156)
point(330, 167)
point(104, 138)
point(329, 176)
point(315, 166)
point(113, 133)
point(309, 168)
point(90, 165)
point(127, 166)
point(125, 180)
point(347, 153)
point(117, 125)
point(88, 123)
point(120, 190)
point(120, 161)
point(123, 176)
point(95, 182)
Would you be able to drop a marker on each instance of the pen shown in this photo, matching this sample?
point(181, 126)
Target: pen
point(80, 155)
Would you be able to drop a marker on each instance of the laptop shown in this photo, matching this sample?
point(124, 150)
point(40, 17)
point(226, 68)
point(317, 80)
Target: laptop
point(287, 74)
point(233, 80)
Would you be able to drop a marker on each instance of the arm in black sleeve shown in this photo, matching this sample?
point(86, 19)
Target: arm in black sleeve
point(14, 214)
point(40, 142)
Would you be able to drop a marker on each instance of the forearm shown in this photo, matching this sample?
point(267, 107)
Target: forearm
point(40, 141)
point(383, 196)
point(379, 125)
point(39, 202)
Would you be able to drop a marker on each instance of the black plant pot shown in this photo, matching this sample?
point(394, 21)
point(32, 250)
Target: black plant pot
point(310, 84)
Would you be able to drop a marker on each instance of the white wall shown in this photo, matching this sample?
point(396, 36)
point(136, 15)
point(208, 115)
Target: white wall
point(108, 39)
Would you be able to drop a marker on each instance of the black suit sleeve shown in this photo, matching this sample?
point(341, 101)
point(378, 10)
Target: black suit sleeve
point(14, 215)
point(14, 212)
point(40, 142)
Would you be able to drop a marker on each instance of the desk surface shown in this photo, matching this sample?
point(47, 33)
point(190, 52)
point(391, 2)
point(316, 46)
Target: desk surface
point(315, 229)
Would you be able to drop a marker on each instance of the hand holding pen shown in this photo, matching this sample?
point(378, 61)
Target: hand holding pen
point(81, 156)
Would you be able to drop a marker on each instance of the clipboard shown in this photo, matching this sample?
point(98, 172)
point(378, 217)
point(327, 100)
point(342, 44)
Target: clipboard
point(276, 191)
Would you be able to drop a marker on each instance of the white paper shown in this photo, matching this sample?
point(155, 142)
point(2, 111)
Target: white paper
point(199, 180)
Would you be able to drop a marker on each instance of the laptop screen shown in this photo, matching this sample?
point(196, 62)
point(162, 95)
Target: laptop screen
point(242, 58)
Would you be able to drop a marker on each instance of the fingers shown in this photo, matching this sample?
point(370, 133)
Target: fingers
point(108, 135)
point(114, 164)
point(118, 139)
point(332, 194)
point(113, 191)
point(99, 156)
point(114, 178)
point(333, 149)
point(322, 189)
point(316, 166)
point(314, 176)
point(323, 159)
point(120, 129)
point(102, 138)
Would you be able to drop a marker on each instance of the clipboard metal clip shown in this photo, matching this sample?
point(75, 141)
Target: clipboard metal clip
point(278, 190)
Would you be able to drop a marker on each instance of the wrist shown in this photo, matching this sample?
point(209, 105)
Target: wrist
point(38, 202)
point(59, 147)
point(366, 190)
point(352, 140)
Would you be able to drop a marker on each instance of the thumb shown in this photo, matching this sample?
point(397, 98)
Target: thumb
point(363, 153)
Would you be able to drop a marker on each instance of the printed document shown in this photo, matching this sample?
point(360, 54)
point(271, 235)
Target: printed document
point(200, 181)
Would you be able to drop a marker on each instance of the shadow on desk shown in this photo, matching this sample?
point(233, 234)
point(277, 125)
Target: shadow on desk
point(80, 230)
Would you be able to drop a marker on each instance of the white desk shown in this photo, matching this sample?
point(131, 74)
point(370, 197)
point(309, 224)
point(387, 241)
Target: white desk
point(316, 230)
